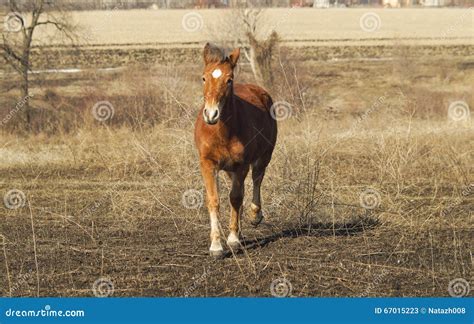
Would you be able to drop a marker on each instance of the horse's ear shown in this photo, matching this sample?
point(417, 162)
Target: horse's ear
point(234, 56)
point(206, 53)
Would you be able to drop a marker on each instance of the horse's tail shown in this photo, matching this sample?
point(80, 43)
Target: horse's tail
point(271, 113)
point(268, 102)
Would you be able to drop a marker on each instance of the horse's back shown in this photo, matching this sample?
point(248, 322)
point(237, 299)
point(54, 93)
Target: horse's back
point(255, 95)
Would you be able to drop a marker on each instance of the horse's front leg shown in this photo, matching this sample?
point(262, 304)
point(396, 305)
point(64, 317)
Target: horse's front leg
point(209, 173)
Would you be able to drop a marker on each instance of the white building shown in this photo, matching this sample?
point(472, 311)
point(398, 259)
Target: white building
point(391, 3)
point(321, 4)
point(433, 3)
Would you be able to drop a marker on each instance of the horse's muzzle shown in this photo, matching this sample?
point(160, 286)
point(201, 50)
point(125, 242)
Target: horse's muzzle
point(211, 115)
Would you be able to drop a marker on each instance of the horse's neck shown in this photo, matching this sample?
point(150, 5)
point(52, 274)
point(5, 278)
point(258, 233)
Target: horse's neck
point(229, 119)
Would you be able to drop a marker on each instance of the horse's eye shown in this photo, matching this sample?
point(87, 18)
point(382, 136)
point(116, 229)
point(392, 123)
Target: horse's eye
point(203, 79)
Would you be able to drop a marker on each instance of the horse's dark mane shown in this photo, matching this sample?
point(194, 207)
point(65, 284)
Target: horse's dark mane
point(215, 54)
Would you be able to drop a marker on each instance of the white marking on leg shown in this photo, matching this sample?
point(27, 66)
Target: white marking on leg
point(214, 223)
point(215, 236)
point(233, 238)
point(257, 210)
point(216, 73)
point(216, 246)
point(254, 207)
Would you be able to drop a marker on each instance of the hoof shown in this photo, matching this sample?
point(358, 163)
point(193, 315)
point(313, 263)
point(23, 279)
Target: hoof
point(258, 219)
point(235, 246)
point(217, 254)
point(233, 241)
point(257, 214)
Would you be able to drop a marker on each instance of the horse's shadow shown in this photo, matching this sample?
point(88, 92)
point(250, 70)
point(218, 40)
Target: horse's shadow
point(317, 229)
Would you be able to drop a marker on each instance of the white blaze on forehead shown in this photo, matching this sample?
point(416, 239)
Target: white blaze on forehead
point(216, 73)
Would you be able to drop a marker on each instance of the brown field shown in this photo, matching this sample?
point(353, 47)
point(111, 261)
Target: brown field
point(108, 199)
point(297, 25)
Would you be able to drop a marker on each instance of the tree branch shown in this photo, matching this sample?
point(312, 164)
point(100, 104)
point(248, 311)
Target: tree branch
point(11, 63)
point(9, 51)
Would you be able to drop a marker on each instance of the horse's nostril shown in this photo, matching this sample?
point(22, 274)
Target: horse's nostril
point(207, 115)
point(210, 115)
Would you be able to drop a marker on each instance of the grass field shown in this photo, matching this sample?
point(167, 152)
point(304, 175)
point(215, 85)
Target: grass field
point(298, 25)
point(369, 193)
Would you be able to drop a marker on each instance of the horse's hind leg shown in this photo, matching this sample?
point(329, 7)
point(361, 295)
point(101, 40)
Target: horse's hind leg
point(236, 198)
point(258, 172)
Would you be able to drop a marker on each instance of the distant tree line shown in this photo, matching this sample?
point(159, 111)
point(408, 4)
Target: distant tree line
point(188, 4)
point(157, 4)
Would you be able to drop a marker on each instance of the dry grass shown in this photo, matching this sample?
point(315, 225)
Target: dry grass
point(109, 203)
point(106, 199)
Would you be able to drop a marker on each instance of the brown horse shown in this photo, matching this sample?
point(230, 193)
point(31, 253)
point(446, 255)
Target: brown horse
point(234, 130)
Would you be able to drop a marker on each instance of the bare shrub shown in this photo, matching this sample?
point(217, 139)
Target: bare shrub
point(249, 29)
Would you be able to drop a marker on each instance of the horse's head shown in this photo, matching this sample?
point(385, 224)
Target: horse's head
point(217, 78)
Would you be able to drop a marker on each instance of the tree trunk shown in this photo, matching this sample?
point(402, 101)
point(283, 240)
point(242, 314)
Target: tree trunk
point(261, 55)
point(257, 73)
point(25, 94)
point(25, 87)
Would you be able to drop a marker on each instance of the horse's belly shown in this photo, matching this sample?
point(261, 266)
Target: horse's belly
point(229, 165)
point(233, 159)
point(231, 162)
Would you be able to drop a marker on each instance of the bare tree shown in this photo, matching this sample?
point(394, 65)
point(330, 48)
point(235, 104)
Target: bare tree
point(20, 24)
point(249, 29)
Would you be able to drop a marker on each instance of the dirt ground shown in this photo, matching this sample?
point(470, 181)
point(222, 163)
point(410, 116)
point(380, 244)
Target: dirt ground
point(127, 223)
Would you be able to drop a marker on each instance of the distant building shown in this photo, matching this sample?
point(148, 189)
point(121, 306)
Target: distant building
point(391, 3)
point(433, 3)
point(321, 4)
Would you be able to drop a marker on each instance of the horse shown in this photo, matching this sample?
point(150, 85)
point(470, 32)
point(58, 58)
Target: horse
point(234, 131)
